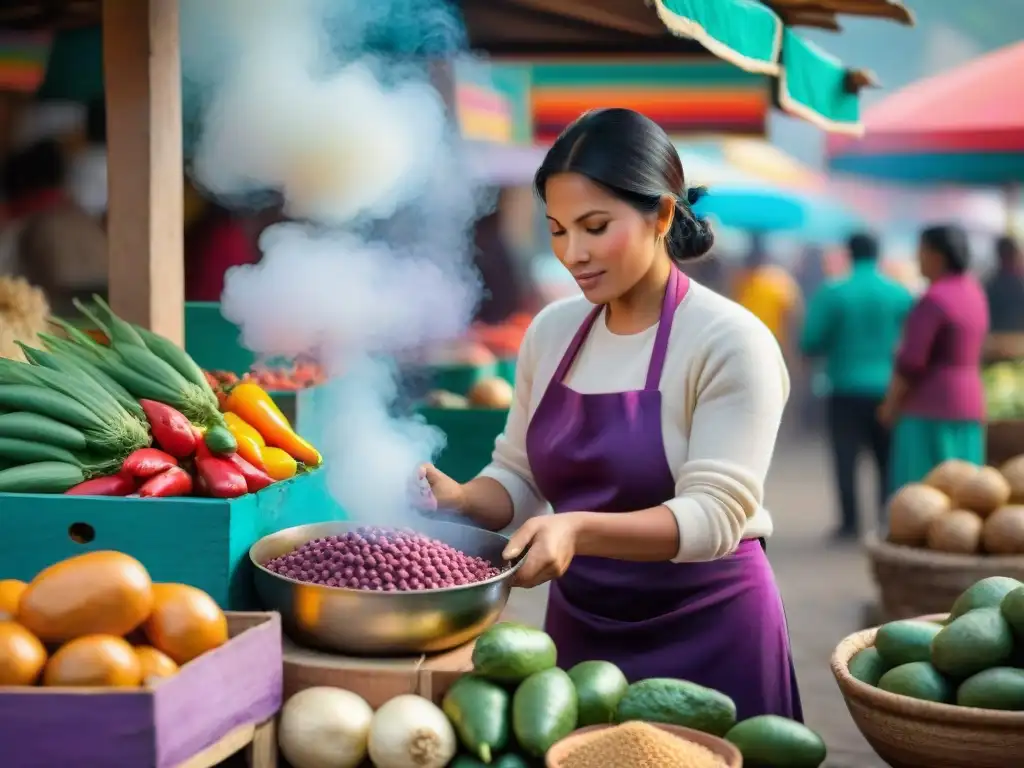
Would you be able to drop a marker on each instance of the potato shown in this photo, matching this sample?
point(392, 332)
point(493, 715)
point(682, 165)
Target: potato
point(983, 492)
point(912, 510)
point(958, 532)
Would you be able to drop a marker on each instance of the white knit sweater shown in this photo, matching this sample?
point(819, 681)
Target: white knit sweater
point(724, 387)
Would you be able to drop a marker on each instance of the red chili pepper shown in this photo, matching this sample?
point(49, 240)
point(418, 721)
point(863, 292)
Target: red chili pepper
point(171, 428)
point(221, 478)
point(112, 485)
point(171, 482)
point(199, 486)
point(147, 462)
point(255, 479)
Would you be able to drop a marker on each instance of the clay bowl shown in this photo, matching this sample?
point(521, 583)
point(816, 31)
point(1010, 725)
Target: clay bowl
point(729, 754)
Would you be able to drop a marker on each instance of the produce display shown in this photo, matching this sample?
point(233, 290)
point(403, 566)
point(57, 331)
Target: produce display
point(492, 392)
point(516, 704)
point(97, 620)
point(962, 508)
point(975, 658)
point(504, 339)
point(274, 378)
point(135, 416)
point(382, 560)
point(1004, 390)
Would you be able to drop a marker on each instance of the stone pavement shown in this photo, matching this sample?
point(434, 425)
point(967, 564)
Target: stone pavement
point(826, 589)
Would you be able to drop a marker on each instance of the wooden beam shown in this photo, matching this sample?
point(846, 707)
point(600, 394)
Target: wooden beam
point(142, 68)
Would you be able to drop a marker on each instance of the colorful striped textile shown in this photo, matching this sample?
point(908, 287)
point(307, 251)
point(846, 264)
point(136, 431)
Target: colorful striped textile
point(23, 58)
point(684, 96)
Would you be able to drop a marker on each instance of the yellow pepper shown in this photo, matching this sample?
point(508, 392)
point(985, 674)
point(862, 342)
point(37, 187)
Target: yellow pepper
point(278, 464)
point(250, 441)
point(251, 402)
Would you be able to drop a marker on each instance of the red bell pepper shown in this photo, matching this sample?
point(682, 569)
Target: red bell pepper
point(147, 462)
point(171, 429)
point(255, 479)
point(221, 478)
point(112, 485)
point(174, 481)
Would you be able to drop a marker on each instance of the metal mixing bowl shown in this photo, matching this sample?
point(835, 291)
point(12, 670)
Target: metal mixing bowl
point(360, 622)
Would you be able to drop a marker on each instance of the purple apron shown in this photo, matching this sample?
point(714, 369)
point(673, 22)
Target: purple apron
point(719, 624)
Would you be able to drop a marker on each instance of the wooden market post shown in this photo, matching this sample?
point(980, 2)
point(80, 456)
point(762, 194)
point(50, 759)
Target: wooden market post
point(142, 73)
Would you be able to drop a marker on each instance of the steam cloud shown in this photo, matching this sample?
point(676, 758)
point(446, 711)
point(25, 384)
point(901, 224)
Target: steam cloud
point(291, 99)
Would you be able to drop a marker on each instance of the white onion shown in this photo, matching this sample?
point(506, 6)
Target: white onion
point(324, 727)
point(411, 732)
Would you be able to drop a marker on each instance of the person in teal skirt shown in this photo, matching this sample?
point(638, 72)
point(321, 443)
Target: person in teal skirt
point(936, 401)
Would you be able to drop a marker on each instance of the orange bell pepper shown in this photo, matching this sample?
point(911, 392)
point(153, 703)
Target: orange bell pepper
point(252, 403)
point(250, 442)
point(278, 464)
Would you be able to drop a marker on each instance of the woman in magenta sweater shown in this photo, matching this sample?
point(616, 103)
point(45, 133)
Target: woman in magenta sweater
point(935, 400)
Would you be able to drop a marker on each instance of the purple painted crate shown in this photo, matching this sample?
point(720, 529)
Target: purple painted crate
point(238, 684)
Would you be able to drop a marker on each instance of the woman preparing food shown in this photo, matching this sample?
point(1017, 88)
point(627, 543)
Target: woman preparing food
point(645, 414)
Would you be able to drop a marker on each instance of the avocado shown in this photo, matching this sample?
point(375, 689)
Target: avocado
point(918, 680)
point(510, 653)
point(973, 642)
point(901, 642)
point(678, 702)
point(987, 593)
point(504, 761)
point(995, 688)
point(1013, 611)
point(868, 666)
point(770, 741)
point(600, 686)
point(510, 761)
point(466, 761)
point(479, 711)
point(544, 711)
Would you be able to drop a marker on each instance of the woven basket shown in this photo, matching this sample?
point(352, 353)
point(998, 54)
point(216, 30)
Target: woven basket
point(908, 733)
point(913, 581)
point(1003, 441)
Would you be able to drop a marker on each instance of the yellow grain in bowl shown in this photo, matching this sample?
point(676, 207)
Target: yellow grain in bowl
point(639, 745)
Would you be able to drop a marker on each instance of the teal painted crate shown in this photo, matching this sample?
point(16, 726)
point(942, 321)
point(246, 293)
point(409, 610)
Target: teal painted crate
point(202, 542)
point(213, 341)
point(471, 433)
point(459, 379)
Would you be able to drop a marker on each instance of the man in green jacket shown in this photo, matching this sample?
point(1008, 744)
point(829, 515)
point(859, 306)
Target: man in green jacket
point(854, 323)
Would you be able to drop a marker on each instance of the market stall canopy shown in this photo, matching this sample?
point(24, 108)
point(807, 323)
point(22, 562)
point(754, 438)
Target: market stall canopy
point(755, 36)
point(808, 82)
point(965, 126)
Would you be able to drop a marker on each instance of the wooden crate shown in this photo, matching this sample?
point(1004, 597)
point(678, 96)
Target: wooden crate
point(218, 704)
point(201, 542)
point(376, 680)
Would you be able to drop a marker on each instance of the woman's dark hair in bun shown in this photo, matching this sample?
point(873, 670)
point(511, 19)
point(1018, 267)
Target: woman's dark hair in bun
point(633, 158)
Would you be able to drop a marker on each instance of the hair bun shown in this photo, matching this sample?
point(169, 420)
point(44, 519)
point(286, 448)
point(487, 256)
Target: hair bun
point(694, 194)
point(691, 236)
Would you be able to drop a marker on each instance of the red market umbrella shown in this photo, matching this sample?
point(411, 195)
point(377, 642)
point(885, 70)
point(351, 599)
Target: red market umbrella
point(965, 126)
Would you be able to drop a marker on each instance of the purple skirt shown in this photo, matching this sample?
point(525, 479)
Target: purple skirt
point(719, 624)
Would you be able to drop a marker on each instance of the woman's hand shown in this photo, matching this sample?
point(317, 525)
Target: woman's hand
point(449, 494)
point(887, 413)
point(552, 544)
